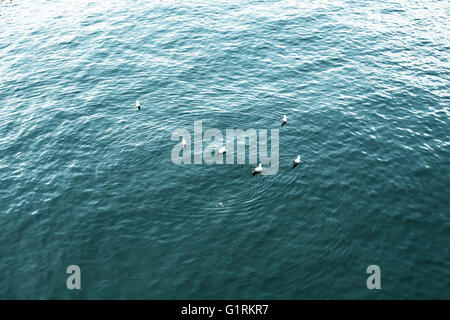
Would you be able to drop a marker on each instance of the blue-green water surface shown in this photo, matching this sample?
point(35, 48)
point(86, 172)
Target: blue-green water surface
point(86, 179)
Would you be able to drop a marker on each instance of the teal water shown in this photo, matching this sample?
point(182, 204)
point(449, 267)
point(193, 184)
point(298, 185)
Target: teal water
point(86, 179)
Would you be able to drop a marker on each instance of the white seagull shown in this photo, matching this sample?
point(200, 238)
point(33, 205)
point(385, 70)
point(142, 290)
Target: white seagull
point(222, 150)
point(284, 120)
point(257, 170)
point(296, 161)
point(183, 142)
point(138, 105)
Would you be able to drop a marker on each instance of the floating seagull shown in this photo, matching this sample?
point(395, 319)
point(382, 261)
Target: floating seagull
point(222, 150)
point(138, 105)
point(183, 142)
point(284, 120)
point(296, 161)
point(257, 170)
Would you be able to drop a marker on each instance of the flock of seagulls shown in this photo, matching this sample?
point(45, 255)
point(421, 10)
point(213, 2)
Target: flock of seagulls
point(296, 161)
point(223, 150)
